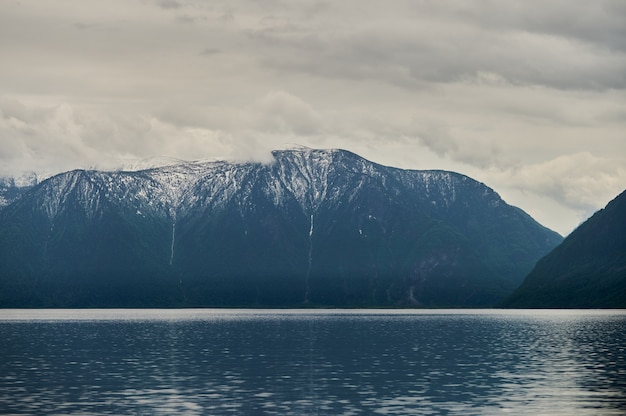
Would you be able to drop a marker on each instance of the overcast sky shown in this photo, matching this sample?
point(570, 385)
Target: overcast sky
point(528, 97)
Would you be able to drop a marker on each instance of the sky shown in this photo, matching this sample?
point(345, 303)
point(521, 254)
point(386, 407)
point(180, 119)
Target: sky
point(528, 97)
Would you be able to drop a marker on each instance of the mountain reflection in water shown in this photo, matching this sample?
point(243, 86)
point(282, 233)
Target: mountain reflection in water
point(307, 362)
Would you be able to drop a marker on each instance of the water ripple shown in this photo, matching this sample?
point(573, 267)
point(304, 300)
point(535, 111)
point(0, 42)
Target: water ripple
point(307, 363)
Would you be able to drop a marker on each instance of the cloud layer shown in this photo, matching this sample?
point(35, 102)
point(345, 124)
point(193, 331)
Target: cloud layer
point(529, 100)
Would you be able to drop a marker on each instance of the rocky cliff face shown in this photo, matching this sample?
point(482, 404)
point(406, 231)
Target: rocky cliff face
point(314, 227)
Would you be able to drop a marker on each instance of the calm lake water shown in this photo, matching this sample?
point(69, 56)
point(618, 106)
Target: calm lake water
point(320, 362)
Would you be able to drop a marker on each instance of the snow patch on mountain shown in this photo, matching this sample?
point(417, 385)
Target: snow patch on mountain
point(12, 187)
point(308, 177)
point(304, 174)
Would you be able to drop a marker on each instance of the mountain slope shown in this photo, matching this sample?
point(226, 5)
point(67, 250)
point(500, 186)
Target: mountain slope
point(12, 188)
point(588, 270)
point(314, 227)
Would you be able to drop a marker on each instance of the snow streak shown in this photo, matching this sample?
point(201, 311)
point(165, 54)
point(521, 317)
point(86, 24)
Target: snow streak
point(173, 214)
point(308, 271)
point(173, 240)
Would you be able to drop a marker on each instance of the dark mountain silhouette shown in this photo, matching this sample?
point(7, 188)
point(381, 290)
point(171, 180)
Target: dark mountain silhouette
point(588, 270)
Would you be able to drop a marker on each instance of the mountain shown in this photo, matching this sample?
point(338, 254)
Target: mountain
point(312, 228)
point(12, 188)
point(588, 270)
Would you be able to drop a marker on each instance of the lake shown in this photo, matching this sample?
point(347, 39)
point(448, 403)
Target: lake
point(313, 362)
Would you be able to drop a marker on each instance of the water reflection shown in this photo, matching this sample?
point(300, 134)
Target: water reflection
point(568, 365)
point(233, 362)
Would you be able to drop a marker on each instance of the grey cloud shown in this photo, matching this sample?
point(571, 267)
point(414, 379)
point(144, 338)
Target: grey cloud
point(277, 113)
point(210, 51)
point(284, 113)
point(440, 139)
point(14, 109)
point(188, 116)
point(53, 139)
point(252, 146)
point(614, 116)
point(169, 4)
point(578, 180)
point(436, 137)
point(84, 26)
point(439, 50)
point(599, 22)
point(190, 19)
point(29, 140)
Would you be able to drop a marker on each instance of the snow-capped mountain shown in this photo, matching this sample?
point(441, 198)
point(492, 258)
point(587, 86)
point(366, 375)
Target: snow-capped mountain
point(12, 188)
point(314, 227)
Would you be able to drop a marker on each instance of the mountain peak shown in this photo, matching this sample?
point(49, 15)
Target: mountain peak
point(311, 155)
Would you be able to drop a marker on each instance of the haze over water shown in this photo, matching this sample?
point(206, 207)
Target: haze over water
point(308, 362)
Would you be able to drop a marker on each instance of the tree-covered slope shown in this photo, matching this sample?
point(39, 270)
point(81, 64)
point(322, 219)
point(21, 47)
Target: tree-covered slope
point(588, 270)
